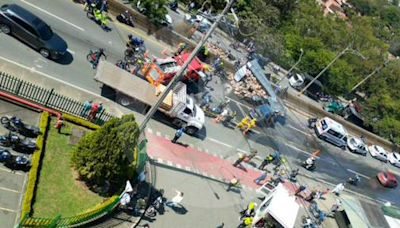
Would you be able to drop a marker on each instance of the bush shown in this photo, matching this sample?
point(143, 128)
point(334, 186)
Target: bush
point(79, 121)
point(34, 172)
point(104, 158)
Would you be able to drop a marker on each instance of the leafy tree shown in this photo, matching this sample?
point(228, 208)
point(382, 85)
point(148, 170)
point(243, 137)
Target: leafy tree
point(154, 9)
point(104, 157)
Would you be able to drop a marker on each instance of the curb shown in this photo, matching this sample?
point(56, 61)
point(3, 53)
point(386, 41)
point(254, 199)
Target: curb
point(198, 173)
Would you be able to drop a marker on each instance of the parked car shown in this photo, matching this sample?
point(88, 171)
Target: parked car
point(30, 29)
point(203, 23)
point(387, 179)
point(394, 159)
point(296, 80)
point(356, 145)
point(378, 152)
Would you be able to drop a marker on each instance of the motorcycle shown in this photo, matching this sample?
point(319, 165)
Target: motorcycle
point(20, 162)
point(126, 18)
point(309, 167)
point(17, 144)
point(5, 155)
point(14, 162)
point(324, 97)
point(215, 111)
point(17, 125)
point(354, 180)
point(94, 57)
point(173, 6)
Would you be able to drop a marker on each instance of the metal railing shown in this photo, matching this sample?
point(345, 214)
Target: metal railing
point(46, 97)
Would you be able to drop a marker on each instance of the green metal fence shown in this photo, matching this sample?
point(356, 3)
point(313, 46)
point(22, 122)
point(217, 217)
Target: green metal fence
point(74, 221)
point(45, 97)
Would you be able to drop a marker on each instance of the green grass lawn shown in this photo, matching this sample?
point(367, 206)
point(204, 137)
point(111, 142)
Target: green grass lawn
point(58, 190)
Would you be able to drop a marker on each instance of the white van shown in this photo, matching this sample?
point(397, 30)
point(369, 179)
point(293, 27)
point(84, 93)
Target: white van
point(331, 131)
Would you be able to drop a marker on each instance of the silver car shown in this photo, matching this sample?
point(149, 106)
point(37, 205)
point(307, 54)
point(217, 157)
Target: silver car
point(356, 145)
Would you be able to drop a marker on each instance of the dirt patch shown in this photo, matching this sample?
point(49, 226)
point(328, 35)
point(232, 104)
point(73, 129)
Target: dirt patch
point(76, 135)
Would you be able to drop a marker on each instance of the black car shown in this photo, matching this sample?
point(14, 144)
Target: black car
point(27, 27)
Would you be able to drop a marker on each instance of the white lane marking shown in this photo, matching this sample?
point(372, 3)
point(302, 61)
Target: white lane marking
point(359, 174)
point(219, 142)
point(298, 130)
point(240, 150)
point(158, 133)
point(149, 130)
point(17, 218)
point(57, 17)
point(9, 190)
point(6, 209)
point(70, 51)
point(303, 151)
point(32, 69)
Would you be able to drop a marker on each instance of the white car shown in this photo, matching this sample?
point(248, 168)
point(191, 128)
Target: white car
point(378, 152)
point(296, 81)
point(394, 159)
point(356, 145)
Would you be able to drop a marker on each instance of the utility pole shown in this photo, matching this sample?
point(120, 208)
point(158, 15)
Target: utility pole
point(294, 66)
point(327, 66)
point(181, 72)
point(370, 75)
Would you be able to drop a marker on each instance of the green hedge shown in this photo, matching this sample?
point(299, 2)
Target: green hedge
point(391, 211)
point(79, 121)
point(34, 171)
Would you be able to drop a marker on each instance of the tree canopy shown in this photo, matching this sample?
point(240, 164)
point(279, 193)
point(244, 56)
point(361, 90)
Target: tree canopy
point(281, 28)
point(104, 157)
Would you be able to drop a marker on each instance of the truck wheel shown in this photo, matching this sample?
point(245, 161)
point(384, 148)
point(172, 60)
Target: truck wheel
point(124, 100)
point(191, 130)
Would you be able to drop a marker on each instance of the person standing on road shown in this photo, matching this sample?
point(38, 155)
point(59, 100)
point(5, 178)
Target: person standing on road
point(222, 116)
point(87, 106)
point(239, 160)
point(301, 189)
point(338, 189)
point(249, 211)
point(176, 200)
point(232, 183)
point(178, 134)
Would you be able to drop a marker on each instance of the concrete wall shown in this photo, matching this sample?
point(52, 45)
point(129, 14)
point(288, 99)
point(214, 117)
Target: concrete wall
point(355, 130)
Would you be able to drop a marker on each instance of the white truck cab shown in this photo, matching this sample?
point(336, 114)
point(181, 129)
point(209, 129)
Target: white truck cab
point(132, 90)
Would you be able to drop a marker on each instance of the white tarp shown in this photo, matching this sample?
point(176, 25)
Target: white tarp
point(283, 208)
point(393, 222)
point(280, 205)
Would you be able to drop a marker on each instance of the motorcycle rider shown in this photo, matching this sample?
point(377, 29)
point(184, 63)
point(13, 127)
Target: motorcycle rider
point(310, 162)
point(135, 41)
point(354, 180)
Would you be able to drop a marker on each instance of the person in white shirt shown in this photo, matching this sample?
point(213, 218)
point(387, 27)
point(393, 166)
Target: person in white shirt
point(176, 200)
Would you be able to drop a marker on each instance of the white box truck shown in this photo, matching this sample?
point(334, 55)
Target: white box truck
point(130, 89)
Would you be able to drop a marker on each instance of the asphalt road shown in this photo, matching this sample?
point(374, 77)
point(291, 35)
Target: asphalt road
point(292, 139)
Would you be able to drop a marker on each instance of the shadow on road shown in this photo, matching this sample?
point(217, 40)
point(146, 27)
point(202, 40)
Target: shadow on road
point(66, 59)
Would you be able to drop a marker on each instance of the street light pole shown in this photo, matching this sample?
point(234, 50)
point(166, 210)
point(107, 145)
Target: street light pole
point(294, 66)
point(181, 72)
point(327, 66)
point(370, 75)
